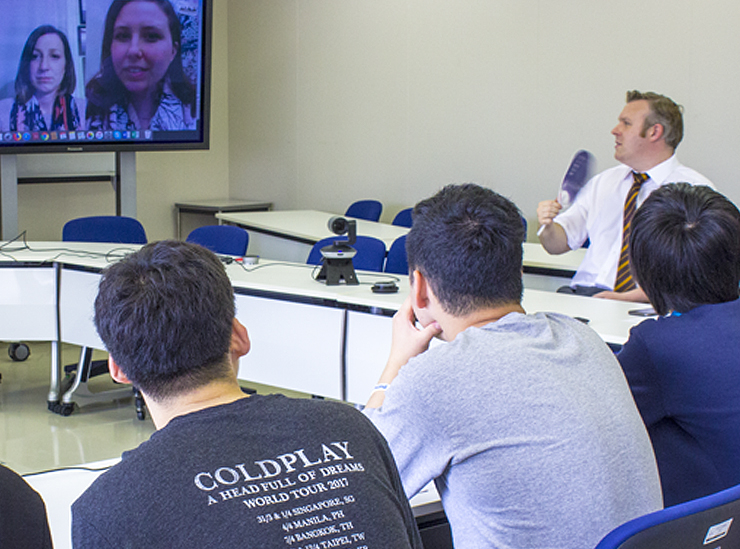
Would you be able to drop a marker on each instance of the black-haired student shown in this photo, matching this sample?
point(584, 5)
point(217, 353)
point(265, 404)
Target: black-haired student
point(684, 367)
point(524, 421)
point(225, 469)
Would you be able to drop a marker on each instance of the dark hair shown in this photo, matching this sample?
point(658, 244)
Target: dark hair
point(663, 111)
point(24, 89)
point(685, 248)
point(105, 89)
point(467, 241)
point(165, 314)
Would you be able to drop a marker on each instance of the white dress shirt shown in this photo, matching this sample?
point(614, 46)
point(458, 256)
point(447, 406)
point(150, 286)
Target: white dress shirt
point(597, 212)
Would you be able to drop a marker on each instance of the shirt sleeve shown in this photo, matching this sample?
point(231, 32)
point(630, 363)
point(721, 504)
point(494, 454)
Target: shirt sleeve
point(407, 420)
point(574, 220)
point(642, 377)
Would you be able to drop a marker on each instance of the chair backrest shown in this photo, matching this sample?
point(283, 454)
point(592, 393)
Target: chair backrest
point(403, 218)
point(397, 262)
point(221, 239)
point(104, 228)
point(706, 522)
point(370, 253)
point(365, 209)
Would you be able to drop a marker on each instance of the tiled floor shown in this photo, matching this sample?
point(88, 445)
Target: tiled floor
point(33, 439)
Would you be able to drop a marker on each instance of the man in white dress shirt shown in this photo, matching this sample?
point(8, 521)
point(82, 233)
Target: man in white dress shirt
point(649, 129)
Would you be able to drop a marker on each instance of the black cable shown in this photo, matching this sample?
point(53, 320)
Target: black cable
point(71, 468)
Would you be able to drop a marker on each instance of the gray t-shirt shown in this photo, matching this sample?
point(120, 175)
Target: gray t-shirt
point(530, 431)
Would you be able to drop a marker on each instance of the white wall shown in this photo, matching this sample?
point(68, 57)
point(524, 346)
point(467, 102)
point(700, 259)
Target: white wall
point(319, 102)
point(335, 100)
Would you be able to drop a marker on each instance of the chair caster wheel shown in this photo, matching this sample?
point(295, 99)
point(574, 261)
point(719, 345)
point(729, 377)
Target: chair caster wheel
point(61, 409)
point(66, 409)
point(18, 352)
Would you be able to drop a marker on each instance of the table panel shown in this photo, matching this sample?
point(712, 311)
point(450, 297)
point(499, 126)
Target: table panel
point(368, 346)
point(294, 345)
point(78, 290)
point(28, 302)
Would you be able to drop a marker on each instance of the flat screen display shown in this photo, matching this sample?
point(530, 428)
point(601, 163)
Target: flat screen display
point(104, 75)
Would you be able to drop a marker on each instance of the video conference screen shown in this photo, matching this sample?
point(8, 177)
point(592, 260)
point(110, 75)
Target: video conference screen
point(86, 75)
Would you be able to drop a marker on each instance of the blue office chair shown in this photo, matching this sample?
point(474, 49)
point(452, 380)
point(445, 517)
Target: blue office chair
point(403, 218)
point(104, 228)
point(397, 262)
point(221, 239)
point(369, 210)
point(370, 253)
point(704, 522)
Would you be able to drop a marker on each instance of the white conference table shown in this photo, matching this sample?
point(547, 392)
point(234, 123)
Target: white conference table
point(329, 341)
point(289, 235)
point(543, 271)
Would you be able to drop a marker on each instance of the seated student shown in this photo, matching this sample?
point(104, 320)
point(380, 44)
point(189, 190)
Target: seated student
point(23, 522)
point(224, 469)
point(524, 421)
point(684, 367)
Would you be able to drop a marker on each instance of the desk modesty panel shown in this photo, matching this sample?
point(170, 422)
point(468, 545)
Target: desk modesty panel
point(28, 301)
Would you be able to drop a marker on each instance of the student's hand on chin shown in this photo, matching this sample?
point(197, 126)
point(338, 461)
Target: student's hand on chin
point(408, 339)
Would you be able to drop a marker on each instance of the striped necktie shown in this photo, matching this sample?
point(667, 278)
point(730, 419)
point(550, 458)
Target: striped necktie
point(624, 280)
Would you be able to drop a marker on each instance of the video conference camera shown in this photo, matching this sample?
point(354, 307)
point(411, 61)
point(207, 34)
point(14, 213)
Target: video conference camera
point(337, 265)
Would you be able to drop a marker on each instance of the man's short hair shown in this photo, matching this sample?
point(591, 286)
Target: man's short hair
point(663, 111)
point(467, 242)
point(685, 248)
point(165, 314)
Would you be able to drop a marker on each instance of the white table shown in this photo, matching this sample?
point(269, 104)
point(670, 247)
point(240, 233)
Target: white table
point(289, 235)
point(329, 341)
point(543, 271)
point(213, 207)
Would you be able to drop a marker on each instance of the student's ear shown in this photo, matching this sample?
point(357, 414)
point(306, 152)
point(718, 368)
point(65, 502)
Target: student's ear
point(419, 290)
point(115, 372)
point(240, 343)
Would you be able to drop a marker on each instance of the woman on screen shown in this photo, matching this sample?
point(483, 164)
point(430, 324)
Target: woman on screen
point(141, 83)
point(43, 86)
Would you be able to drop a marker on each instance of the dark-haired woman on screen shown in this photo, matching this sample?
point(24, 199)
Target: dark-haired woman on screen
point(141, 83)
point(43, 86)
point(684, 366)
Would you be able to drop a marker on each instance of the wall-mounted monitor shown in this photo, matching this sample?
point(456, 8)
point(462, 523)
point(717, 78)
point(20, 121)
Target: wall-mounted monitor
point(104, 75)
